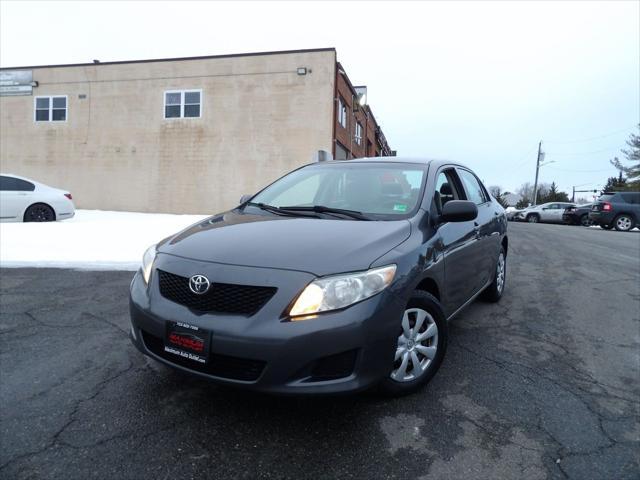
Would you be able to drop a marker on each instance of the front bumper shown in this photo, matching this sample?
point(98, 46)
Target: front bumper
point(269, 353)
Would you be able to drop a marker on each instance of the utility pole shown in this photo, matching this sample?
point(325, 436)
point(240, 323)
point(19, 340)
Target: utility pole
point(535, 185)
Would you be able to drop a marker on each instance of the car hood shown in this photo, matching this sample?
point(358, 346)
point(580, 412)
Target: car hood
point(317, 246)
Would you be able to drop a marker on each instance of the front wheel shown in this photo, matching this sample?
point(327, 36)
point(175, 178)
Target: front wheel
point(420, 346)
point(533, 218)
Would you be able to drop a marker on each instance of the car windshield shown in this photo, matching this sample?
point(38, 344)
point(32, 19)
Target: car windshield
point(380, 191)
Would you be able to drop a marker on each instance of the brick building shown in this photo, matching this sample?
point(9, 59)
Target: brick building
point(356, 132)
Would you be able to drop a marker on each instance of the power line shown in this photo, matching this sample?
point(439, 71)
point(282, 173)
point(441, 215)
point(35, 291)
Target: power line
point(582, 171)
point(525, 158)
point(590, 138)
point(583, 153)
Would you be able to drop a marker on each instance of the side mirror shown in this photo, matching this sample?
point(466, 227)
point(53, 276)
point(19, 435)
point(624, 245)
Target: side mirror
point(459, 211)
point(244, 198)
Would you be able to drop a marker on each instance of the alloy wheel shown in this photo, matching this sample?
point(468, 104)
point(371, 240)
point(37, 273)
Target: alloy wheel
point(40, 213)
point(500, 272)
point(623, 223)
point(416, 347)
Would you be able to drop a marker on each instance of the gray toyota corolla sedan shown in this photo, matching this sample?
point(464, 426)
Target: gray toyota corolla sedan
point(338, 277)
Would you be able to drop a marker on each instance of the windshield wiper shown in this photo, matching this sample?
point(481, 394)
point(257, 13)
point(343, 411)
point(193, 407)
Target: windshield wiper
point(322, 209)
point(278, 210)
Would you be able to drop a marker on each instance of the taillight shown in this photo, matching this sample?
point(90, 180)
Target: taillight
point(606, 206)
point(68, 195)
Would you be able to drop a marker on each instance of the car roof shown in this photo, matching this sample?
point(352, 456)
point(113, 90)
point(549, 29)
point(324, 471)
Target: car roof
point(26, 179)
point(407, 160)
point(18, 177)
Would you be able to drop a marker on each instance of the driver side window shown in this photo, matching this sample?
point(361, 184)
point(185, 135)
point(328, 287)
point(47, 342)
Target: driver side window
point(445, 190)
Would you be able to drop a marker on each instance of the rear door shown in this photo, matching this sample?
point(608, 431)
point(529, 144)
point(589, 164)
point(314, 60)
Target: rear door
point(462, 263)
point(486, 227)
point(547, 212)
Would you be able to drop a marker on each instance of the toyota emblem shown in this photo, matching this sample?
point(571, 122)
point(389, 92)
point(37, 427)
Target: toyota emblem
point(199, 284)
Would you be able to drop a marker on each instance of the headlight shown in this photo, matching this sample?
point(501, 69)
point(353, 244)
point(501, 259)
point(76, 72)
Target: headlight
point(339, 291)
point(147, 262)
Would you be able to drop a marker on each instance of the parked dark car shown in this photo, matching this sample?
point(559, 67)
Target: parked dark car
point(338, 277)
point(619, 210)
point(577, 215)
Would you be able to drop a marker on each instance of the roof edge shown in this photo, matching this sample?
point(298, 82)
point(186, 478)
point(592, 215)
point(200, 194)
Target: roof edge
point(176, 59)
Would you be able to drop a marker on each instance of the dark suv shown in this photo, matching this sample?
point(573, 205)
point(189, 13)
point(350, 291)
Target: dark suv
point(619, 210)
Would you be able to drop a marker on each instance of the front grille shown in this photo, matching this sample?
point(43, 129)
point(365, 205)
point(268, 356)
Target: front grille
point(223, 366)
point(220, 298)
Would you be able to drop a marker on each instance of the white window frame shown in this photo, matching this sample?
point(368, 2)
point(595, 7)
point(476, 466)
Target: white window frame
point(181, 92)
point(358, 133)
point(342, 113)
point(51, 97)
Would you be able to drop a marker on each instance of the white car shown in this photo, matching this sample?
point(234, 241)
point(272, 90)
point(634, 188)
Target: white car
point(547, 212)
point(24, 200)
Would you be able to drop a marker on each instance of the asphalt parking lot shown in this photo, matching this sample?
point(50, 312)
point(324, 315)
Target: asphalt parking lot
point(544, 384)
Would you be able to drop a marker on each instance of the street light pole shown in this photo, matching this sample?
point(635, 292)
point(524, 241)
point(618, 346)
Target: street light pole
point(535, 185)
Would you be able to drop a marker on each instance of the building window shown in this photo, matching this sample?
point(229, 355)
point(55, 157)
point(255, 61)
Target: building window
point(51, 109)
point(358, 135)
point(182, 104)
point(342, 113)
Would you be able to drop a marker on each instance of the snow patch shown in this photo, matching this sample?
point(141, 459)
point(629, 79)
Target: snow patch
point(92, 240)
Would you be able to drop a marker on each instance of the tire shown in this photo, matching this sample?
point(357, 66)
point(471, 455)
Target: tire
point(403, 382)
point(493, 293)
point(584, 220)
point(39, 212)
point(606, 227)
point(624, 223)
point(533, 218)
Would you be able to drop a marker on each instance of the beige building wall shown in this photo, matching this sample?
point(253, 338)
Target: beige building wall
point(116, 151)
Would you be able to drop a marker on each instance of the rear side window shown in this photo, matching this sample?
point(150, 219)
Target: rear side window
point(472, 186)
point(633, 198)
point(10, 184)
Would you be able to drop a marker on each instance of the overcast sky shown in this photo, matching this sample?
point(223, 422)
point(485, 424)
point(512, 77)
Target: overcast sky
point(478, 82)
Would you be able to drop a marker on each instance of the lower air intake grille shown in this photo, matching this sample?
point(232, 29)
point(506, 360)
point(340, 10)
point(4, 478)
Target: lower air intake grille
point(220, 298)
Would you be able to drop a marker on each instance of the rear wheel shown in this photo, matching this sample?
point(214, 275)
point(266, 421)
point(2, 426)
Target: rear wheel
point(623, 223)
point(420, 346)
point(584, 220)
point(533, 218)
point(493, 293)
point(39, 212)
